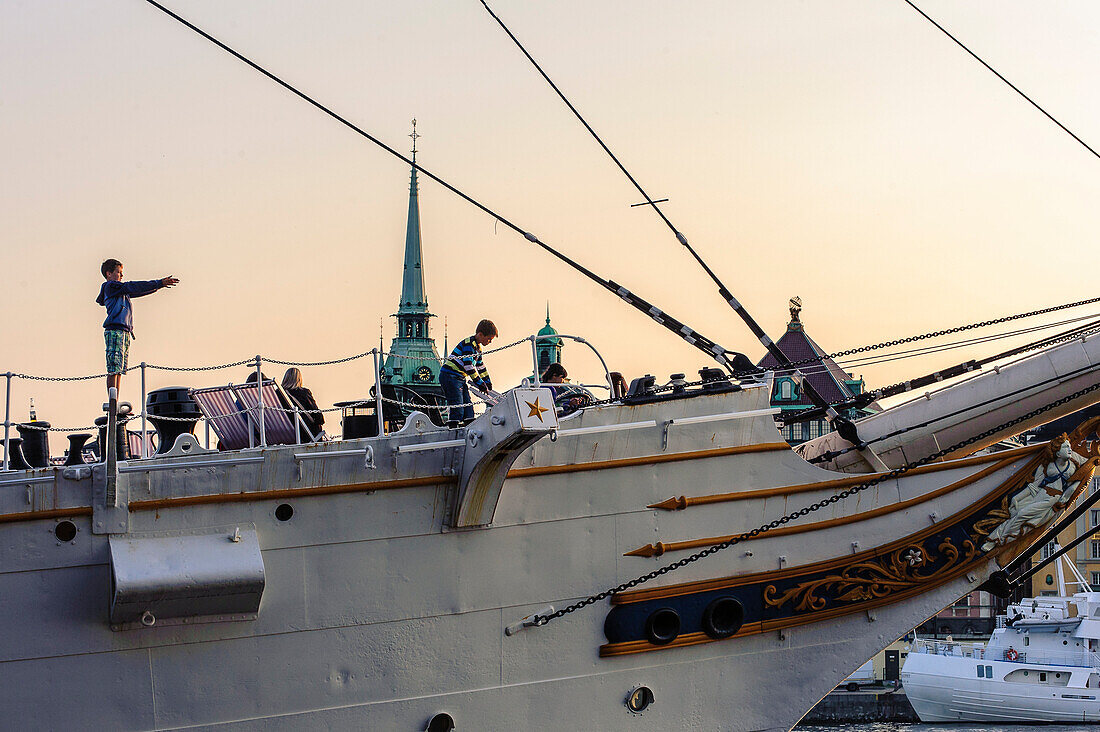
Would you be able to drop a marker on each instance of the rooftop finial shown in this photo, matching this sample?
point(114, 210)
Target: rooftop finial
point(796, 308)
point(548, 312)
point(414, 135)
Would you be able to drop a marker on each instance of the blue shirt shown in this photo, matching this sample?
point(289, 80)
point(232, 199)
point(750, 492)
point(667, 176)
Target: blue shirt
point(115, 296)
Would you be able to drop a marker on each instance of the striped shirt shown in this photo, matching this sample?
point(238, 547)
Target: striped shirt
point(465, 359)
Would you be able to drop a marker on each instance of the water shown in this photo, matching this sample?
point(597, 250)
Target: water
point(915, 727)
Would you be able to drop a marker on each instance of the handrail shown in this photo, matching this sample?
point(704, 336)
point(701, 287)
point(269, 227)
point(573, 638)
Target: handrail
point(977, 651)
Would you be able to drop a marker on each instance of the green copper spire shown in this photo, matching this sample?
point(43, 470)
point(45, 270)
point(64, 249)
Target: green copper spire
point(413, 299)
point(413, 359)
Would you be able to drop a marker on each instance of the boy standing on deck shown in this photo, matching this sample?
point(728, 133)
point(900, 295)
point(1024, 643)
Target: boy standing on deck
point(118, 328)
point(465, 360)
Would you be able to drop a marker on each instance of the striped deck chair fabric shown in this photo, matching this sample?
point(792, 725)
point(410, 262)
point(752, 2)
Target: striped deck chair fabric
point(279, 425)
point(135, 442)
point(219, 405)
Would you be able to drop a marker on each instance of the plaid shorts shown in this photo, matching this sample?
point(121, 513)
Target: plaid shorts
point(118, 350)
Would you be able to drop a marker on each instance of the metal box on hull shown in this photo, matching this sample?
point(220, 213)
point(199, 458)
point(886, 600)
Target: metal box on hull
point(204, 574)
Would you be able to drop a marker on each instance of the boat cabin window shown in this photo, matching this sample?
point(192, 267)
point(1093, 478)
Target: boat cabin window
point(1027, 640)
point(989, 672)
point(1042, 676)
point(981, 672)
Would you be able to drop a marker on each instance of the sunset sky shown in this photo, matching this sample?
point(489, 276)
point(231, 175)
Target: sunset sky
point(845, 152)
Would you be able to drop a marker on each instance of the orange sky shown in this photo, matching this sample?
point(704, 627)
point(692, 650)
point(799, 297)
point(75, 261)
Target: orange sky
point(846, 152)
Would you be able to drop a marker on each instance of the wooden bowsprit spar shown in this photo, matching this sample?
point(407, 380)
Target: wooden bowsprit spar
point(843, 426)
point(733, 362)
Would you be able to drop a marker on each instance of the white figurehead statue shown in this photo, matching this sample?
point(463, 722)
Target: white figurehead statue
point(1050, 490)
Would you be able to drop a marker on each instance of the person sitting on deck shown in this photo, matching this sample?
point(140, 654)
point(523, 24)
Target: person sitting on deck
point(311, 414)
point(465, 361)
point(567, 398)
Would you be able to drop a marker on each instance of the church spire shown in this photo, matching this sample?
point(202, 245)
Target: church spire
point(413, 299)
point(413, 359)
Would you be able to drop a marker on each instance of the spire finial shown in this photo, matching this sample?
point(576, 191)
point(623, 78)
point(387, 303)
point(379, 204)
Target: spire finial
point(796, 308)
point(548, 312)
point(414, 135)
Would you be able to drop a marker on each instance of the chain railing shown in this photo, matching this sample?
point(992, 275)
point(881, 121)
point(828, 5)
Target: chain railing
point(378, 355)
point(262, 407)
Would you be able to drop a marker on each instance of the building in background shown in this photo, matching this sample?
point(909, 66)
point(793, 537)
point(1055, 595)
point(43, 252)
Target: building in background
point(831, 381)
point(410, 371)
point(547, 345)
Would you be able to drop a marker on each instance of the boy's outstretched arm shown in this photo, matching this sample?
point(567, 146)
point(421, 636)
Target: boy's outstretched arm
point(140, 288)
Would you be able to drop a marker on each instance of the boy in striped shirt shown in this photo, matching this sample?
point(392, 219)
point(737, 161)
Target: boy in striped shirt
point(465, 361)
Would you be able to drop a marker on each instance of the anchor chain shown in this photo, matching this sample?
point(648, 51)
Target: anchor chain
point(805, 511)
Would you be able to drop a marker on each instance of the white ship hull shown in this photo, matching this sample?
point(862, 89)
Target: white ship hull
point(377, 611)
point(946, 689)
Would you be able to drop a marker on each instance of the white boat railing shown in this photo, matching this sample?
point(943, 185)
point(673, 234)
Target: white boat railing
point(980, 652)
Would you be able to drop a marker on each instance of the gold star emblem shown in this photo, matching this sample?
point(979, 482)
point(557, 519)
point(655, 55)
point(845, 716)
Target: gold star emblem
point(536, 410)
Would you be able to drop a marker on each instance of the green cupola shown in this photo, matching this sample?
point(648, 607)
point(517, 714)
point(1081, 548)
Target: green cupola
point(548, 344)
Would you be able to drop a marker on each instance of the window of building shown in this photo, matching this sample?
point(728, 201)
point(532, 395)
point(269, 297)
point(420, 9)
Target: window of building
point(1095, 579)
point(1051, 547)
point(1094, 549)
point(1094, 516)
point(785, 389)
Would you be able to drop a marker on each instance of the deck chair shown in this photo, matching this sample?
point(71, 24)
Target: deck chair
point(280, 427)
point(220, 406)
point(135, 442)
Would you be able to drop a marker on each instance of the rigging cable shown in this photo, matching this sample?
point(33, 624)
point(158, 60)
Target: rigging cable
point(846, 429)
point(711, 348)
point(1083, 371)
point(1012, 86)
point(855, 363)
point(540, 620)
point(862, 400)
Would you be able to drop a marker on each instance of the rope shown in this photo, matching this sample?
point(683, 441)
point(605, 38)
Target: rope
point(830, 455)
point(803, 362)
point(1012, 86)
point(895, 473)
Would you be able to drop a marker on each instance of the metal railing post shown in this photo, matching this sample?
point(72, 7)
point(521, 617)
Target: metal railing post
point(144, 402)
point(260, 398)
point(111, 439)
point(378, 395)
point(297, 426)
point(7, 416)
point(535, 358)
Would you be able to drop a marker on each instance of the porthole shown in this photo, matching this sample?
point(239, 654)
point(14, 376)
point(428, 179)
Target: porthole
point(441, 722)
point(65, 531)
point(662, 626)
point(284, 511)
point(723, 617)
point(639, 699)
